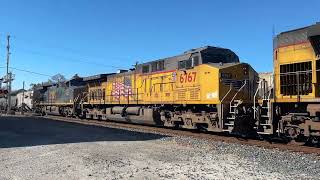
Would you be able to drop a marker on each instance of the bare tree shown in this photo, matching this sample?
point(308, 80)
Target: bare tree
point(58, 78)
point(76, 76)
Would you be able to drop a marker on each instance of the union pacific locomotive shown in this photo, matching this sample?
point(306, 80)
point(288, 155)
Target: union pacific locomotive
point(205, 88)
point(199, 89)
point(294, 109)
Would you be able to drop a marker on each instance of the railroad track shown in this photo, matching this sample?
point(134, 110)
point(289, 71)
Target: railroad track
point(187, 133)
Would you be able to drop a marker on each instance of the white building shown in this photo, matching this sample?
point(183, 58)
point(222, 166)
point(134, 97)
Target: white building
point(268, 76)
point(27, 99)
point(17, 100)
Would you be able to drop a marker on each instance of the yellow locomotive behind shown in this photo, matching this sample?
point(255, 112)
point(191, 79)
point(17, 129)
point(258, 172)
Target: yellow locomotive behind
point(296, 64)
point(201, 88)
point(292, 108)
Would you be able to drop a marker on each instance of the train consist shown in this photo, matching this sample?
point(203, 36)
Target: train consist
point(205, 88)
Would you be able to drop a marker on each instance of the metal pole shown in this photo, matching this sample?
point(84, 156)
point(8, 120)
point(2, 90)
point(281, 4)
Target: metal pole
point(22, 105)
point(8, 52)
point(1, 84)
point(9, 92)
point(8, 76)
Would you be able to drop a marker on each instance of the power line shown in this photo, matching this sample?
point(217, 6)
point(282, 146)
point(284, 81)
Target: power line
point(58, 57)
point(73, 60)
point(68, 49)
point(83, 60)
point(31, 72)
point(27, 71)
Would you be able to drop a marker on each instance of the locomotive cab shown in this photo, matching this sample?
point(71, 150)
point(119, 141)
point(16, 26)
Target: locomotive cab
point(208, 55)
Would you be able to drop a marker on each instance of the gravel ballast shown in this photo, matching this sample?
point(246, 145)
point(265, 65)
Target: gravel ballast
point(35, 148)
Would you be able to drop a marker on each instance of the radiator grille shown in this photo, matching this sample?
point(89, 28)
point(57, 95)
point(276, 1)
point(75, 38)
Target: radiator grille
point(181, 94)
point(194, 93)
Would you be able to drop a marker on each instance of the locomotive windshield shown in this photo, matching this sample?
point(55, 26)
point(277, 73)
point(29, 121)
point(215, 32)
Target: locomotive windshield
point(219, 57)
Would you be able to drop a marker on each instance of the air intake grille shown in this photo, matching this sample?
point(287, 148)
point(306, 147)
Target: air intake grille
point(181, 94)
point(194, 94)
point(296, 78)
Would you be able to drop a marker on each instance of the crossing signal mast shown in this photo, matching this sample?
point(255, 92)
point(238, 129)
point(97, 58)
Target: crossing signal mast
point(3, 91)
point(8, 78)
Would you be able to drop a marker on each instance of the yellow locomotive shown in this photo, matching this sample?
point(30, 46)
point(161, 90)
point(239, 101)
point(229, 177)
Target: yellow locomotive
point(202, 88)
point(292, 107)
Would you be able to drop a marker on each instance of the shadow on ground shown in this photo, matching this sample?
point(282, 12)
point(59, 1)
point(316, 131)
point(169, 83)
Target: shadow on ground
point(33, 131)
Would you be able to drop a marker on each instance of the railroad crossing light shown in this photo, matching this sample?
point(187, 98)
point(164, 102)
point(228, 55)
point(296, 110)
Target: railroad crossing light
point(3, 91)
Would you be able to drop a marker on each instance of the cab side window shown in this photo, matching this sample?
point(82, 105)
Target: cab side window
point(157, 66)
point(145, 69)
point(161, 65)
point(195, 61)
point(154, 66)
point(189, 63)
point(182, 64)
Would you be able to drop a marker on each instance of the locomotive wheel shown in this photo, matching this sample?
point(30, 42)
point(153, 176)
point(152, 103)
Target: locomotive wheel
point(293, 132)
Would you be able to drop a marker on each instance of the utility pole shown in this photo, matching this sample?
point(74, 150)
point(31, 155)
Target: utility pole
point(22, 105)
point(9, 76)
point(8, 53)
point(1, 82)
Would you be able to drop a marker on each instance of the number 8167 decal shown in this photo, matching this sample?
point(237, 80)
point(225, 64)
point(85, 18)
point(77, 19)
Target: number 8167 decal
point(188, 77)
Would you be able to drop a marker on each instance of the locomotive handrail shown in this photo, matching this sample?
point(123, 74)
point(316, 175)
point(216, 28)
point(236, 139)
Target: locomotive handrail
point(221, 125)
point(269, 105)
point(86, 94)
point(76, 99)
point(226, 94)
point(75, 102)
point(268, 99)
point(254, 99)
point(245, 83)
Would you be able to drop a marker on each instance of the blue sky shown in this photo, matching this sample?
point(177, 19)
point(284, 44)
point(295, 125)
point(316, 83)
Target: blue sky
point(99, 36)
